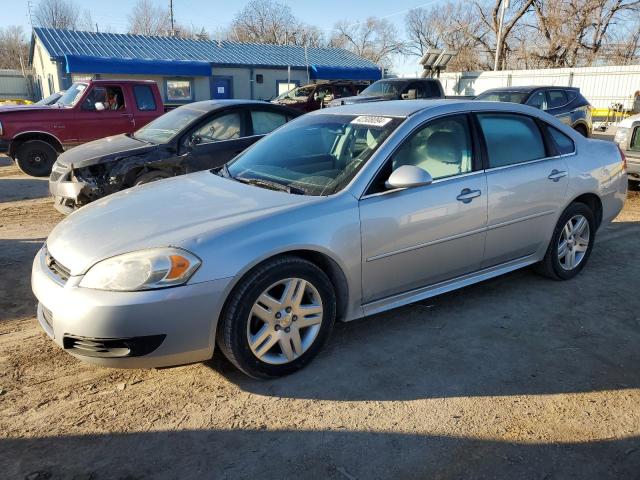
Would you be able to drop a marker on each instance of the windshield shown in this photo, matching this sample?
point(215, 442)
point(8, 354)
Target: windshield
point(50, 100)
point(512, 97)
point(164, 128)
point(383, 88)
point(299, 94)
point(71, 96)
point(316, 154)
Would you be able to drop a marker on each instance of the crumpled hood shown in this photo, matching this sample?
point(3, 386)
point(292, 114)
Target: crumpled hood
point(361, 99)
point(103, 150)
point(174, 212)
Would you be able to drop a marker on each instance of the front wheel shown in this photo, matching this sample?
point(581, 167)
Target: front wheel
point(571, 243)
point(36, 158)
point(278, 318)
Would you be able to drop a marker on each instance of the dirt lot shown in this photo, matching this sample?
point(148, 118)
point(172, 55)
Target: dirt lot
point(519, 377)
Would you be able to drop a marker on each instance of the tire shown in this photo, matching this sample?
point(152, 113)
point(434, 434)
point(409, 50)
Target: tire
point(582, 130)
point(558, 267)
point(238, 323)
point(36, 158)
point(151, 176)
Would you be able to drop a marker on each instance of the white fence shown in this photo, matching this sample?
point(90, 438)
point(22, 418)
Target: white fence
point(14, 85)
point(602, 86)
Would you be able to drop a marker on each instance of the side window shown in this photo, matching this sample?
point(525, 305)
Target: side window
point(442, 148)
point(538, 100)
point(223, 127)
point(144, 98)
point(111, 98)
point(635, 139)
point(323, 94)
point(563, 143)
point(556, 98)
point(511, 138)
point(265, 122)
point(342, 91)
point(96, 95)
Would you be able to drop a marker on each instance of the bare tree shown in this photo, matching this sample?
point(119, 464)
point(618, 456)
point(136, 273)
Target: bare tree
point(375, 39)
point(148, 19)
point(270, 21)
point(56, 14)
point(14, 48)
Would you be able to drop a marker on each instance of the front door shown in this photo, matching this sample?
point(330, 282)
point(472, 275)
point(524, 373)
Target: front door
point(104, 111)
point(221, 88)
point(424, 235)
point(526, 183)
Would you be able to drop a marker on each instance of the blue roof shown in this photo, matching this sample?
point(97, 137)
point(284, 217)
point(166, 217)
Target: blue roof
point(61, 43)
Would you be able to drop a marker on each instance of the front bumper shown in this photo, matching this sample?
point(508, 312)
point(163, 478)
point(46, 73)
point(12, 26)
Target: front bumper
point(65, 189)
point(113, 329)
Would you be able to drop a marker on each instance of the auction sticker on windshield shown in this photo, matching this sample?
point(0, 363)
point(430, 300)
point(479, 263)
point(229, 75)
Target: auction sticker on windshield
point(371, 121)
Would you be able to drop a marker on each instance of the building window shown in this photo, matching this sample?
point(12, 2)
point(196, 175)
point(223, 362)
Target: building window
point(179, 90)
point(259, 78)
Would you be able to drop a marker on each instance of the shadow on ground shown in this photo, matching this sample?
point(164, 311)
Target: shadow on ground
point(311, 454)
point(23, 188)
point(16, 257)
point(516, 334)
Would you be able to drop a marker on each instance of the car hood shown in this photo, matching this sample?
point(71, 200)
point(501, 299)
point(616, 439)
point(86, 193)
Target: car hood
point(24, 108)
point(182, 211)
point(362, 99)
point(104, 150)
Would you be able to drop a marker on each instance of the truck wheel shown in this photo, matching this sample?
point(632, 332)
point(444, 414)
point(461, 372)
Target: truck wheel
point(36, 157)
point(151, 176)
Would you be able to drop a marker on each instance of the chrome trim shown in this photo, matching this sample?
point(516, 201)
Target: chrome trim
point(521, 219)
point(530, 162)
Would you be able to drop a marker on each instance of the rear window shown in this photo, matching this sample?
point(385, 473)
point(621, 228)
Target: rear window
point(511, 138)
point(144, 97)
point(563, 142)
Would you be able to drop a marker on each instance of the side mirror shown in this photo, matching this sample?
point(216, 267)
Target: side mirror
point(408, 176)
point(411, 94)
point(99, 106)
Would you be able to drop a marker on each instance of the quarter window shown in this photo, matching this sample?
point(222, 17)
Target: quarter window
point(265, 122)
point(144, 98)
point(563, 143)
point(556, 98)
point(442, 148)
point(224, 127)
point(511, 138)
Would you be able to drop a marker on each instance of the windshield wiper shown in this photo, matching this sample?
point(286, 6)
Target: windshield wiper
point(259, 182)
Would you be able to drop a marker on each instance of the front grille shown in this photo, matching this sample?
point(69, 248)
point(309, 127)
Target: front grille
point(112, 347)
point(47, 316)
point(59, 270)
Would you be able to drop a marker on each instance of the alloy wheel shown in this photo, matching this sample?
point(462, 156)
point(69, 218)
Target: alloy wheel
point(284, 321)
point(574, 242)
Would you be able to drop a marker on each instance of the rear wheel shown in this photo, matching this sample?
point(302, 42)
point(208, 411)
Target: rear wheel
point(151, 176)
point(36, 158)
point(571, 243)
point(582, 130)
point(278, 318)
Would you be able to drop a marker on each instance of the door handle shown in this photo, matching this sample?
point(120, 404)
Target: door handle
point(556, 175)
point(467, 195)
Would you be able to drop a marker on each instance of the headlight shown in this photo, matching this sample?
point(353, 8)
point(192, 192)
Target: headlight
point(622, 134)
point(143, 270)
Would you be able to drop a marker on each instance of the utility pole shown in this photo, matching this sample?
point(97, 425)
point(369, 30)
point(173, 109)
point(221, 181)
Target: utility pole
point(173, 31)
point(499, 40)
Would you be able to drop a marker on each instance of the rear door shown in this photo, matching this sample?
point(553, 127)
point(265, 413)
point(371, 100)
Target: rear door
point(526, 181)
point(116, 117)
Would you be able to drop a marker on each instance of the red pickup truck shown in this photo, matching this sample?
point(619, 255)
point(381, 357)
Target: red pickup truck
point(35, 136)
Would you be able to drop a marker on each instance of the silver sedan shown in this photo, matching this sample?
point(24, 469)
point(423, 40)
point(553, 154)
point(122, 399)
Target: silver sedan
point(340, 214)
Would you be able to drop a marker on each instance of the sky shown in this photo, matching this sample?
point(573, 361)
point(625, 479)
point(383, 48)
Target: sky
point(216, 14)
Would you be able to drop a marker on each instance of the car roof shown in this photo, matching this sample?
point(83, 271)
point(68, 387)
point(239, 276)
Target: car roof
point(211, 105)
point(407, 108)
point(528, 88)
point(115, 80)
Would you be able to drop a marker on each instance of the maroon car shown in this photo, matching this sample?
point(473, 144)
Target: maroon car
point(35, 136)
point(317, 95)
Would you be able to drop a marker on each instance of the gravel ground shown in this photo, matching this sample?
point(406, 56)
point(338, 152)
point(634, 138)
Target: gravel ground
point(518, 377)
